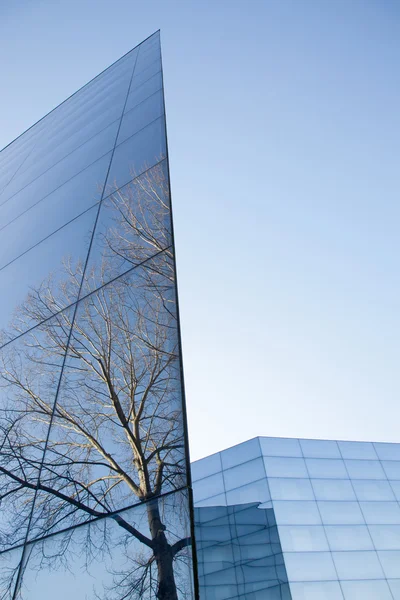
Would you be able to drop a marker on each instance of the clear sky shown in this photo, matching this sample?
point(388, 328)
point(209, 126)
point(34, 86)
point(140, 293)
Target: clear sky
point(284, 138)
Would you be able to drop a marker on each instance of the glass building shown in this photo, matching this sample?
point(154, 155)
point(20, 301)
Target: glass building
point(299, 519)
point(94, 481)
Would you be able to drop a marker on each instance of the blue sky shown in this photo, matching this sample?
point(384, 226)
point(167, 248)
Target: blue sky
point(283, 127)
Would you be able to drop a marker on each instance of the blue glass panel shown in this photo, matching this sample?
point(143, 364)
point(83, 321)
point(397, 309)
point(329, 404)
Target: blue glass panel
point(376, 513)
point(387, 451)
point(144, 113)
point(373, 490)
point(364, 469)
point(285, 467)
point(320, 449)
point(256, 491)
point(357, 565)
point(218, 500)
point(366, 590)
point(394, 585)
point(390, 561)
point(142, 92)
point(244, 474)
point(296, 513)
point(207, 487)
point(392, 469)
point(280, 447)
point(75, 196)
point(241, 453)
point(290, 489)
point(303, 538)
point(395, 485)
point(114, 557)
point(341, 513)
point(134, 224)
point(385, 537)
point(326, 468)
point(319, 590)
point(333, 489)
point(309, 566)
point(30, 370)
point(349, 537)
point(72, 164)
point(47, 278)
point(9, 566)
point(137, 154)
point(362, 450)
point(146, 73)
point(206, 466)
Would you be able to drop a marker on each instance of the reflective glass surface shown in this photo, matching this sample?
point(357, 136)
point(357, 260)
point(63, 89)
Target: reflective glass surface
point(336, 508)
point(93, 441)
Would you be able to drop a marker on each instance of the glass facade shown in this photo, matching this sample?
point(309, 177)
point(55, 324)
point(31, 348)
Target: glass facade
point(94, 482)
point(299, 519)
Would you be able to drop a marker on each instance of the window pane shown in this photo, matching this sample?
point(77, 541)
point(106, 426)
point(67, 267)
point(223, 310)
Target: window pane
point(366, 590)
point(309, 566)
point(206, 466)
point(139, 117)
point(391, 468)
point(319, 590)
point(341, 513)
point(296, 513)
point(362, 450)
point(302, 538)
point(244, 474)
point(326, 468)
point(387, 451)
point(381, 512)
point(357, 565)
point(114, 554)
point(241, 453)
point(290, 489)
point(349, 537)
point(373, 490)
point(385, 537)
point(320, 449)
point(333, 489)
point(285, 467)
point(390, 561)
point(280, 447)
point(364, 469)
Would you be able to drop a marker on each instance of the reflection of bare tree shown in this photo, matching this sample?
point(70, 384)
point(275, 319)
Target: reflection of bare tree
point(116, 434)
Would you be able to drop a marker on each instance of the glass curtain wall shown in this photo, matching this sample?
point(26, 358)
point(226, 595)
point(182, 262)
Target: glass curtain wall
point(94, 485)
point(319, 520)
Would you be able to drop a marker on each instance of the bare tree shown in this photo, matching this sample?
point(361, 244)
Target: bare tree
point(114, 436)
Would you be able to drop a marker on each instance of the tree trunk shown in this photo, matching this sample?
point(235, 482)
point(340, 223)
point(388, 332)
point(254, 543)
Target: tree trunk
point(163, 554)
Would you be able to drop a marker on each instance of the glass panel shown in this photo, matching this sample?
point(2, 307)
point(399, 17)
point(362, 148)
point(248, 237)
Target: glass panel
point(9, 567)
point(395, 485)
point(280, 447)
point(244, 474)
point(45, 279)
point(341, 513)
point(290, 489)
point(376, 513)
point(333, 489)
point(309, 566)
point(207, 487)
point(387, 451)
point(357, 565)
point(326, 468)
point(30, 370)
point(144, 113)
point(142, 92)
point(296, 513)
point(241, 453)
point(239, 553)
point(59, 173)
point(143, 552)
point(256, 491)
point(385, 537)
point(285, 467)
point(206, 466)
point(56, 209)
point(373, 490)
point(145, 74)
point(392, 469)
point(319, 590)
point(320, 449)
point(395, 588)
point(364, 450)
point(366, 590)
point(303, 538)
point(137, 154)
point(390, 561)
point(349, 537)
point(134, 224)
point(117, 432)
point(364, 469)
